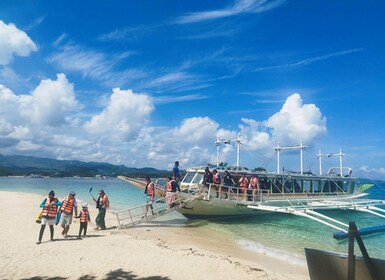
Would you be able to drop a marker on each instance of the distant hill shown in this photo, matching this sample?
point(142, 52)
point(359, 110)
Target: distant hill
point(27, 165)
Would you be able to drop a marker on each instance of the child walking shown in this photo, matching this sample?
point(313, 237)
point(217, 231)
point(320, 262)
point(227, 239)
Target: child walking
point(84, 216)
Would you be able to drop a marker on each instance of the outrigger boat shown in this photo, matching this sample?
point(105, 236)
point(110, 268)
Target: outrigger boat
point(299, 193)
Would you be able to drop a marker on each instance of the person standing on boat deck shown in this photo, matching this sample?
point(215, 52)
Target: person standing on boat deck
point(150, 192)
point(69, 204)
point(254, 184)
point(243, 184)
point(171, 188)
point(102, 204)
point(217, 181)
point(228, 181)
point(176, 172)
point(207, 177)
point(50, 206)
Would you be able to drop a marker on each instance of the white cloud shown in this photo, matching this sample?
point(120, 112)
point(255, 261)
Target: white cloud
point(13, 41)
point(50, 103)
point(124, 116)
point(239, 7)
point(297, 121)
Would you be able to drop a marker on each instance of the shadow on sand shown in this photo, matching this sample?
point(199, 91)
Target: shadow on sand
point(113, 275)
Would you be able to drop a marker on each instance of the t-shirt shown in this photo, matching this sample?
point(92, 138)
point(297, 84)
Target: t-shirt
point(176, 172)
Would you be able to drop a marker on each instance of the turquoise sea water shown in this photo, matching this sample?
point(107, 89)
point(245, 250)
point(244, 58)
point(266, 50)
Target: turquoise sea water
point(281, 236)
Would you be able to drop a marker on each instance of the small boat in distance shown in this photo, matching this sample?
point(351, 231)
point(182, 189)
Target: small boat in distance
point(299, 193)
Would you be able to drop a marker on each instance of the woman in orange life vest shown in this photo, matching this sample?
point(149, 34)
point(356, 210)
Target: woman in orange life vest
point(254, 183)
point(171, 188)
point(150, 192)
point(243, 184)
point(67, 210)
point(102, 204)
point(50, 206)
point(85, 218)
point(216, 181)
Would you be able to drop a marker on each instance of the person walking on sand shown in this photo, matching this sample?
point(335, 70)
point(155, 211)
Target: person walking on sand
point(50, 206)
point(69, 204)
point(150, 192)
point(85, 218)
point(102, 203)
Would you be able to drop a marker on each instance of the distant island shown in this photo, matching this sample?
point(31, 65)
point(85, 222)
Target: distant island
point(42, 167)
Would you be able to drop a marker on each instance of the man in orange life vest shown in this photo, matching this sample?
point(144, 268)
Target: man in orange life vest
point(102, 204)
point(50, 206)
point(68, 205)
point(150, 192)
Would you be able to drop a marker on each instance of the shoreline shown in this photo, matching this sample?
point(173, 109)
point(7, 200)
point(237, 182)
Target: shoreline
point(142, 251)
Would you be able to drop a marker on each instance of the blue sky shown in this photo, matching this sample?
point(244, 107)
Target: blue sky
point(145, 83)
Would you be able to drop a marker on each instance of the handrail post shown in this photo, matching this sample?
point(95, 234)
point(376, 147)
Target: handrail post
point(351, 256)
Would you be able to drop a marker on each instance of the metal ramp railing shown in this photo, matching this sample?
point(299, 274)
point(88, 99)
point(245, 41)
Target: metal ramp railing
point(138, 214)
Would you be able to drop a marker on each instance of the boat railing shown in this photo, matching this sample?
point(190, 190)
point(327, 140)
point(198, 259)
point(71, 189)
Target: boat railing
point(225, 192)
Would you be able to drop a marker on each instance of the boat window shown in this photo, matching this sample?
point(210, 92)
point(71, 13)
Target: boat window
point(307, 186)
point(188, 178)
point(198, 178)
point(317, 186)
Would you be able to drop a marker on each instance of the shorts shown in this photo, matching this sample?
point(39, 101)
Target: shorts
point(50, 222)
point(66, 219)
point(149, 198)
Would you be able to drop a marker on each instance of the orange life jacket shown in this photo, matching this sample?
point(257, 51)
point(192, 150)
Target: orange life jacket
point(217, 178)
point(105, 201)
point(49, 211)
point(254, 183)
point(68, 205)
point(243, 182)
point(150, 189)
point(169, 186)
point(84, 216)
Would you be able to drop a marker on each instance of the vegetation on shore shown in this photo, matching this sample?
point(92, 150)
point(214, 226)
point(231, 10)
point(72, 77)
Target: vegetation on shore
point(27, 165)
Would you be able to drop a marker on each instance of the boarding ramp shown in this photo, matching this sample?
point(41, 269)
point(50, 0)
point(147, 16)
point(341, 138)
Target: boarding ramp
point(138, 214)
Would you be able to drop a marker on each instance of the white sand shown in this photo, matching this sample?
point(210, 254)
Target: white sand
point(145, 251)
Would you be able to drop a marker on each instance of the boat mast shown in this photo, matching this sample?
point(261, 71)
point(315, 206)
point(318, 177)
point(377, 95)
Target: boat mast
point(238, 141)
point(217, 143)
point(238, 149)
point(340, 154)
point(301, 147)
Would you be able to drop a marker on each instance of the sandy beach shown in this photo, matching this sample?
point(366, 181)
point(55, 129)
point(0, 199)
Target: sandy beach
point(148, 251)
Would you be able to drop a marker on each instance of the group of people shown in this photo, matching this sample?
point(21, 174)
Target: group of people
point(54, 211)
point(171, 188)
point(223, 185)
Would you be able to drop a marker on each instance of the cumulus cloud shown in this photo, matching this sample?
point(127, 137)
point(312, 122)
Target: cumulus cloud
point(14, 41)
point(40, 124)
point(51, 102)
point(297, 121)
point(124, 116)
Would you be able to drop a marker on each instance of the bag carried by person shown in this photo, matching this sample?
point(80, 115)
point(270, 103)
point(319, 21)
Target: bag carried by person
point(38, 218)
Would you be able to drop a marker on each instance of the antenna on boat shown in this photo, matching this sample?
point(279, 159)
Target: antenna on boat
point(238, 141)
point(301, 147)
point(340, 154)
